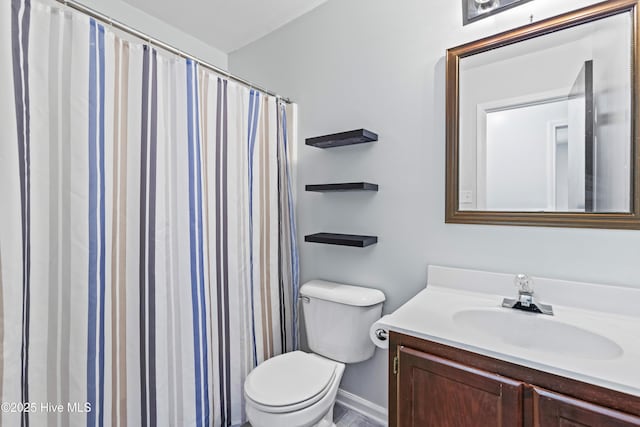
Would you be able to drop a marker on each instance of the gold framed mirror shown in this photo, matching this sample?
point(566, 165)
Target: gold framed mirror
point(542, 125)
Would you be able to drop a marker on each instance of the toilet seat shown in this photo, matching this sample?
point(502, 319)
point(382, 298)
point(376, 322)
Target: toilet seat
point(290, 382)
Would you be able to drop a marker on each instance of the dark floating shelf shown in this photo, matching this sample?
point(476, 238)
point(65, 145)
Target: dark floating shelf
point(342, 239)
point(351, 137)
point(347, 186)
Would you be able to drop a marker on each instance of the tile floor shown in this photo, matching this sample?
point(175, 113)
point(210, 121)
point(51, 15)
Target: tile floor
point(344, 417)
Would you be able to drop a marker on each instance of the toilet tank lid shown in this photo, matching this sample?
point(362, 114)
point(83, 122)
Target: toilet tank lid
point(341, 293)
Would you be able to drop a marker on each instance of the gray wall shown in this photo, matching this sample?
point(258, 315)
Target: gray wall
point(379, 64)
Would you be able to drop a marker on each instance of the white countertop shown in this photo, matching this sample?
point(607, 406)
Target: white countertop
point(431, 315)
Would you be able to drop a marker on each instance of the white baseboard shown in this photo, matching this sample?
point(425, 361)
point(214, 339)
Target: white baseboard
point(368, 409)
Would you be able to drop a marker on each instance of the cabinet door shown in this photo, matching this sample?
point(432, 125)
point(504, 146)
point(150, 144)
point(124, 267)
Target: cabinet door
point(436, 392)
point(557, 410)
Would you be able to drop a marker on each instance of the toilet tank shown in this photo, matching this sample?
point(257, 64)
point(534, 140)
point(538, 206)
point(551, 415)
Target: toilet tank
point(337, 319)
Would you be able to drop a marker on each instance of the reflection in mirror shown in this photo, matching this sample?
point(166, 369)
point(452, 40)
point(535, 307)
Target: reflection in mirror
point(545, 123)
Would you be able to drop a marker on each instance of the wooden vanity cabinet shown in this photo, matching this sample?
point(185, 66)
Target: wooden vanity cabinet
point(433, 385)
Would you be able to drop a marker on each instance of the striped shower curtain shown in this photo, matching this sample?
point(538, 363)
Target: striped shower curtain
point(147, 237)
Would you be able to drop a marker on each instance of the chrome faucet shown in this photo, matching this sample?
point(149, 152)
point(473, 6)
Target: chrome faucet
point(525, 300)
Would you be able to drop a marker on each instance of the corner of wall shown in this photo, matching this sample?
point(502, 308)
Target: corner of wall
point(156, 28)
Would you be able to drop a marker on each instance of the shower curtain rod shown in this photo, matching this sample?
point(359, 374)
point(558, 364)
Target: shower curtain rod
point(155, 42)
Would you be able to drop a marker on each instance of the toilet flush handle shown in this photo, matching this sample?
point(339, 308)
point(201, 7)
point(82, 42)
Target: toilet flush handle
point(304, 299)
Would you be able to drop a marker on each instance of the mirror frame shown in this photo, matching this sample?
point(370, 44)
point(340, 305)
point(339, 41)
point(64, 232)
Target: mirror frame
point(453, 214)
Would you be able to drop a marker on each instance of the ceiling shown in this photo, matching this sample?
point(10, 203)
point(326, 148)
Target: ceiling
point(226, 25)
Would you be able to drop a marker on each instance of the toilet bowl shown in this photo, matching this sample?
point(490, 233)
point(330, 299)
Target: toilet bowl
point(299, 389)
point(294, 389)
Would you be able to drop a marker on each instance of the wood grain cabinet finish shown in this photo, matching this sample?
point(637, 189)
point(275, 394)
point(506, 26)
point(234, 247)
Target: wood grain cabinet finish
point(435, 385)
point(556, 410)
point(436, 392)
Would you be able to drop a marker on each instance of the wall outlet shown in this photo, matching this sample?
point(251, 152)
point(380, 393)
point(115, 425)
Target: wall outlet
point(466, 197)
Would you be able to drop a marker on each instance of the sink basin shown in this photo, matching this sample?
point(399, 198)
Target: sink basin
point(537, 332)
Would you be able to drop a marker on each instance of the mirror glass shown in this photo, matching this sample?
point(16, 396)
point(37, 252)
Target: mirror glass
point(545, 123)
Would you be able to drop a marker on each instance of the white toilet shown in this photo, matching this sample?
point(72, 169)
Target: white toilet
point(299, 389)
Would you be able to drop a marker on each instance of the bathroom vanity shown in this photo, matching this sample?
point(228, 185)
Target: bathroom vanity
point(431, 384)
point(457, 357)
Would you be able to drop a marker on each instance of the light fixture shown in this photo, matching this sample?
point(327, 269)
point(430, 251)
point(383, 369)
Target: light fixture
point(486, 5)
point(472, 10)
